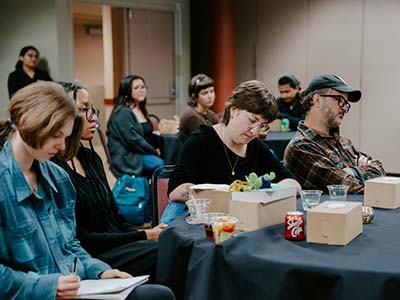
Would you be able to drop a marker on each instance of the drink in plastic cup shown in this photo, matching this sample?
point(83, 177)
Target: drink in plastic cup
point(338, 192)
point(197, 208)
point(310, 198)
point(208, 217)
point(223, 227)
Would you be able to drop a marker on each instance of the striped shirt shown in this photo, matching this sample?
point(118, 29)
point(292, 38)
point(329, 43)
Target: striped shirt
point(37, 231)
point(318, 160)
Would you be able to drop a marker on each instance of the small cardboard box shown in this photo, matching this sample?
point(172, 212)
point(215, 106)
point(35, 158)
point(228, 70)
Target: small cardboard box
point(218, 193)
point(262, 208)
point(334, 222)
point(383, 192)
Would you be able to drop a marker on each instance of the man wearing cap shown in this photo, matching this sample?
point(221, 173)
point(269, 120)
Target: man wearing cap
point(317, 154)
point(289, 102)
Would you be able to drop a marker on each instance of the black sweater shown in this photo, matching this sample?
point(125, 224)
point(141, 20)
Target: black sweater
point(100, 227)
point(202, 159)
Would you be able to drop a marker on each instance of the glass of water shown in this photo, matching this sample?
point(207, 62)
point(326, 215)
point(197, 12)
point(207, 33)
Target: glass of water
point(310, 198)
point(338, 192)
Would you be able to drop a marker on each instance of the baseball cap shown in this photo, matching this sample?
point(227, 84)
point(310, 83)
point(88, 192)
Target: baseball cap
point(334, 82)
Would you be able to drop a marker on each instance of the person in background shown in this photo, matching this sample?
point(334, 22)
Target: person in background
point(289, 101)
point(106, 235)
point(223, 153)
point(202, 97)
point(26, 70)
point(133, 147)
point(317, 154)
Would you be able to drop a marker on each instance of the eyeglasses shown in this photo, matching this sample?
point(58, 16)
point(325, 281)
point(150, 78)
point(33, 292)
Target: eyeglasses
point(90, 112)
point(341, 101)
point(254, 123)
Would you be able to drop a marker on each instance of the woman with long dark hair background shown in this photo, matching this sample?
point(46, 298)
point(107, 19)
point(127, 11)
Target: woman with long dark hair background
point(133, 147)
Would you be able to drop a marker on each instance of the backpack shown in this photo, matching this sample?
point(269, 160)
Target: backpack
point(132, 196)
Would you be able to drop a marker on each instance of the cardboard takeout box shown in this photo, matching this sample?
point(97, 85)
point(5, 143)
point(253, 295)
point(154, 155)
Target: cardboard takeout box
point(218, 193)
point(383, 192)
point(265, 207)
point(334, 222)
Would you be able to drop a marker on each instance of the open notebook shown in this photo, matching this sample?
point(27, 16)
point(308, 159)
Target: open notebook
point(114, 288)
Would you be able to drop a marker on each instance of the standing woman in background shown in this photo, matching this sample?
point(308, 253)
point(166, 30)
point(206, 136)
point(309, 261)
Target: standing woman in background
point(202, 97)
point(133, 147)
point(26, 71)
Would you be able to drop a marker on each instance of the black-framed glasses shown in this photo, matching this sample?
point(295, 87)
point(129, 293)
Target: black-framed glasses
point(90, 112)
point(341, 101)
point(254, 123)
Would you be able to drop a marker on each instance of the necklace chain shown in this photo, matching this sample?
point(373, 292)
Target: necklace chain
point(229, 161)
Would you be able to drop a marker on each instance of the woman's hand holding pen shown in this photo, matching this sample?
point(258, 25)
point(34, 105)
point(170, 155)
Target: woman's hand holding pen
point(68, 286)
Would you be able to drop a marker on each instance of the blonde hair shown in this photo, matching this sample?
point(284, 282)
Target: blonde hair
point(39, 111)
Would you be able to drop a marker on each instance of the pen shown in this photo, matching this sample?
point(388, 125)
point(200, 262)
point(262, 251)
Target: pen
point(75, 265)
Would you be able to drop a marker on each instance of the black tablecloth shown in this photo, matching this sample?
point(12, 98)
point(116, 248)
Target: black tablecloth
point(262, 264)
point(278, 141)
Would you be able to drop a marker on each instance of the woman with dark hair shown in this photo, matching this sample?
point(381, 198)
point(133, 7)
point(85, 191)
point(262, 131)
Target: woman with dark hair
point(26, 70)
point(202, 97)
point(223, 153)
point(106, 234)
point(132, 145)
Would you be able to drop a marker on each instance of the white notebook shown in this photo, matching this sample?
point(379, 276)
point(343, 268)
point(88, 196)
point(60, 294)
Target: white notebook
point(114, 288)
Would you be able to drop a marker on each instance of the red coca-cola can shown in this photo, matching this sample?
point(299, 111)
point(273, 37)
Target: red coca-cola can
point(294, 226)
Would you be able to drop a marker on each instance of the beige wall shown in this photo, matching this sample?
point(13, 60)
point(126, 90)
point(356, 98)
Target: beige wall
point(89, 70)
point(348, 38)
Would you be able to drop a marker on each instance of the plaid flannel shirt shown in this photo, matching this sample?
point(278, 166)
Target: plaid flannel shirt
point(318, 160)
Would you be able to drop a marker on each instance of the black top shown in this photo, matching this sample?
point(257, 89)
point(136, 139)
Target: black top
point(19, 79)
point(149, 136)
point(294, 112)
point(202, 159)
point(100, 227)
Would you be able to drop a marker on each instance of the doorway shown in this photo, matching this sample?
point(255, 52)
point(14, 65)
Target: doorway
point(151, 54)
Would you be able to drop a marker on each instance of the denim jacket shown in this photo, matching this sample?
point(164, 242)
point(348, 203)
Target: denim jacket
point(37, 231)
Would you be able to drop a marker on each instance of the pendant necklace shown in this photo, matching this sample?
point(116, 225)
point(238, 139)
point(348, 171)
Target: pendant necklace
point(229, 161)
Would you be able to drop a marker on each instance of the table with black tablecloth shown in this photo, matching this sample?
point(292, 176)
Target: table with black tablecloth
point(262, 264)
point(278, 140)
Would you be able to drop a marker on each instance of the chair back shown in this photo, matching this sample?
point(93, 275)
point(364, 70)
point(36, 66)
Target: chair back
point(159, 192)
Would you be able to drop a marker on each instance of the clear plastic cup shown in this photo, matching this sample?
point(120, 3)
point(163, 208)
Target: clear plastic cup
point(208, 217)
point(223, 227)
point(310, 198)
point(197, 208)
point(338, 192)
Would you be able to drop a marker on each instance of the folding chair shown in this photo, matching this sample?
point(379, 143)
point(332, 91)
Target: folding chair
point(158, 191)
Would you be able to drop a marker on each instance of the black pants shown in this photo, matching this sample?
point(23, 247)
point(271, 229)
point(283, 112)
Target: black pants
point(151, 292)
point(138, 258)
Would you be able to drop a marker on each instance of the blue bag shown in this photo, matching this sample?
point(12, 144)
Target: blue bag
point(132, 196)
